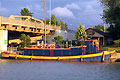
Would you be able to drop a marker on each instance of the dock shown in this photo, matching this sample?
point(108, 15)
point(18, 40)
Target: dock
point(115, 57)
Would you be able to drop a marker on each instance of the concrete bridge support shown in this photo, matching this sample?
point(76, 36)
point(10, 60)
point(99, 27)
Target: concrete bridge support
point(3, 40)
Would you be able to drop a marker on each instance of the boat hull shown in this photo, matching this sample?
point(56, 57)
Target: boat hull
point(97, 57)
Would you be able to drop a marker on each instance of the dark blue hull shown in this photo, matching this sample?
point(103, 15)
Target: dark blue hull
point(66, 58)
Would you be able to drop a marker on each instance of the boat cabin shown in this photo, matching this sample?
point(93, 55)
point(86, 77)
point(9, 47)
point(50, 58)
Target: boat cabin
point(103, 37)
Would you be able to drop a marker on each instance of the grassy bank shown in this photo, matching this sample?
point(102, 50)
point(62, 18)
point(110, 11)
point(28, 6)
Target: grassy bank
point(110, 47)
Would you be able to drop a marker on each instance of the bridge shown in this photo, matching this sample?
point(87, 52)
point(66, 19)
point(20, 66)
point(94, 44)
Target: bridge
point(22, 24)
point(16, 23)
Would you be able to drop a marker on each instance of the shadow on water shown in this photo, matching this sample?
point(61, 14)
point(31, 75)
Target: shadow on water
point(11, 69)
point(61, 61)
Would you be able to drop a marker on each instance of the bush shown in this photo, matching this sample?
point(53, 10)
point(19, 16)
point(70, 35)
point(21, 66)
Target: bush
point(82, 43)
point(61, 46)
point(20, 48)
point(13, 44)
point(58, 39)
point(74, 42)
point(118, 50)
point(117, 43)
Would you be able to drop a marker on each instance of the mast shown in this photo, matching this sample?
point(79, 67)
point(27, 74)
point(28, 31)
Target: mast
point(50, 14)
point(45, 21)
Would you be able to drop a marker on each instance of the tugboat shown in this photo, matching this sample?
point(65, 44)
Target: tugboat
point(86, 53)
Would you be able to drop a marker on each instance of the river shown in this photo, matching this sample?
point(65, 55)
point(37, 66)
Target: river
point(45, 70)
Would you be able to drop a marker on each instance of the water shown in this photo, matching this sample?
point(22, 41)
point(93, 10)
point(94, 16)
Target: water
point(42, 70)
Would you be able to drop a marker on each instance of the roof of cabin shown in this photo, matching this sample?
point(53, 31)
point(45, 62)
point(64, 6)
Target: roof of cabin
point(69, 30)
point(100, 32)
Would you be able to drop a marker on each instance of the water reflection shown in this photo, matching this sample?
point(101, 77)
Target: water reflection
point(43, 70)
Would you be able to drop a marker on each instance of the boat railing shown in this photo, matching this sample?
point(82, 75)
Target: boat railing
point(12, 49)
point(43, 46)
point(20, 52)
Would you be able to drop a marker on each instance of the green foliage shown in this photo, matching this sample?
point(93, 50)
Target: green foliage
point(47, 21)
point(61, 46)
point(112, 16)
point(117, 43)
point(54, 22)
point(25, 12)
point(81, 34)
point(14, 44)
point(117, 50)
point(110, 47)
point(74, 42)
point(99, 27)
point(66, 26)
point(58, 39)
point(25, 40)
point(38, 21)
point(32, 20)
point(63, 25)
point(82, 42)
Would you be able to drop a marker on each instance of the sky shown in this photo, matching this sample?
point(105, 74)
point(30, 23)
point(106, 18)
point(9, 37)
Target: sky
point(73, 12)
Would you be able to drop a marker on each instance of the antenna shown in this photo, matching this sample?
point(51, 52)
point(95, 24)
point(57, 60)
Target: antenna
point(50, 14)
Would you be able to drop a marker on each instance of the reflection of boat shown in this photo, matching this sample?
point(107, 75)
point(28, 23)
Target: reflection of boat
point(89, 52)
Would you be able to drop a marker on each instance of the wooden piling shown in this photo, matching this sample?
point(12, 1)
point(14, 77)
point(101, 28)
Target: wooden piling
point(16, 56)
point(31, 56)
point(103, 56)
point(58, 58)
point(81, 59)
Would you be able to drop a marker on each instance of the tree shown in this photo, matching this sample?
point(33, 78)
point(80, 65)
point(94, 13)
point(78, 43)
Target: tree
point(66, 26)
point(25, 40)
point(54, 22)
point(14, 44)
point(117, 43)
point(99, 27)
point(81, 34)
point(26, 12)
point(58, 39)
point(112, 16)
point(63, 25)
